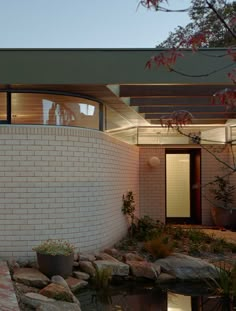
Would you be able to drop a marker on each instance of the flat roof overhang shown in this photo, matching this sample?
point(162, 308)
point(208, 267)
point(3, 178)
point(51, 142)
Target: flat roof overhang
point(118, 78)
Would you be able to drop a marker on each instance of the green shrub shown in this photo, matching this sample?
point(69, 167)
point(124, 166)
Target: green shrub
point(145, 228)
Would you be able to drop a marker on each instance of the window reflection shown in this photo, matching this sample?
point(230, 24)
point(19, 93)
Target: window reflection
point(3, 106)
point(50, 109)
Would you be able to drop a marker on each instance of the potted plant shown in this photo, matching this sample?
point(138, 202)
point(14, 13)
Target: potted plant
point(55, 257)
point(223, 213)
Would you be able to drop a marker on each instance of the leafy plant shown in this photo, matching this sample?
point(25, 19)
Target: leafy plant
point(128, 208)
point(55, 247)
point(223, 192)
point(145, 228)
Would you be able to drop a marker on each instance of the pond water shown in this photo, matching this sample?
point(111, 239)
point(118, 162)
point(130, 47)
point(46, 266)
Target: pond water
point(181, 297)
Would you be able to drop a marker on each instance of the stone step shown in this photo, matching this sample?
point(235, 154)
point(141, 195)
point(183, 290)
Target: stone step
point(8, 301)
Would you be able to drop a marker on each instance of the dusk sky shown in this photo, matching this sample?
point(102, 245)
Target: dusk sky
point(85, 23)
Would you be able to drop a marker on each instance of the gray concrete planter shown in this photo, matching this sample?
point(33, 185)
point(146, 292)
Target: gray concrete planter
point(55, 265)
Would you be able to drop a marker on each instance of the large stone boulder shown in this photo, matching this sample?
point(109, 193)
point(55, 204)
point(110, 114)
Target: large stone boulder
point(185, 267)
point(87, 267)
point(114, 253)
point(86, 257)
point(59, 306)
point(117, 268)
point(75, 284)
point(165, 278)
point(57, 292)
point(81, 275)
point(144, 269)
point(34, 300)
point(133, 257)
point(31, 277)
point(57, 279)
point(41, 303)
point(105, 256)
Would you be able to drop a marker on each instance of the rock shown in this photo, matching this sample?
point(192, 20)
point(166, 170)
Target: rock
point(118, 268)
point(59, 306)
point(144, 269)
point(165, 278)
point(104, 256)
point(35, 300)
point(23, 289)
point(114, 253)
point(31, 277)
point(42, 303)
point(57, 279)
point(81, 275)
point(87, 257)
point(185, 267)
point(13, 264)
point(133, 257)
point(57, 292)
point(75, 284)
point(76, 257)
point(75, 264)
point(87, 267)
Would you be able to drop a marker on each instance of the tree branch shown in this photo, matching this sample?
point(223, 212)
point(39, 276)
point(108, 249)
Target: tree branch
point(211, 6)
point(200, 75)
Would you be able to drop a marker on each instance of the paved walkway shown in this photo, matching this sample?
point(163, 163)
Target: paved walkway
point(8, 301)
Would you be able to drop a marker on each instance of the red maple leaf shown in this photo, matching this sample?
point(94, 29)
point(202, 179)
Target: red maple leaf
point(166, 59)
point(232, 75)
point(195, 41)
point(176, 119)
point(226, 97)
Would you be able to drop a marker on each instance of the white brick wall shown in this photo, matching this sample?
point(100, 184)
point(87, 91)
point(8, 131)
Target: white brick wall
point(62, 183)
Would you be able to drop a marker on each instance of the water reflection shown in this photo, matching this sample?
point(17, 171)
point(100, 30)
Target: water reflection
point(176, 302)
point(150, 299)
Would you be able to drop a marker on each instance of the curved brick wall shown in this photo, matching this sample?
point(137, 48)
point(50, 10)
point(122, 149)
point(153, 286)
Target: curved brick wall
point(62, 183)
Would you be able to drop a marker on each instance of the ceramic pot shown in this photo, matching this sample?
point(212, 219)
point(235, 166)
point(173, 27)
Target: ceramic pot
point(224, 217)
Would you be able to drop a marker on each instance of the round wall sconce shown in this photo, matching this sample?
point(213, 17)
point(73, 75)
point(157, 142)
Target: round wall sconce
point(154, 162)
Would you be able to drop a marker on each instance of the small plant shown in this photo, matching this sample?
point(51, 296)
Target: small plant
point(218, 246)
point(55, 247)
point(158, 247)
point(194, 248)
point(197, 236)
point(102, 278)
point(223, 192)
point(128, 209)
point(176, 232)
point(224, 284)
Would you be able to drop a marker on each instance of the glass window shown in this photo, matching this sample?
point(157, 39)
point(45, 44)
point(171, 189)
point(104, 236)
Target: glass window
point(47, 109)
point(114, 120)
point(3, 106)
